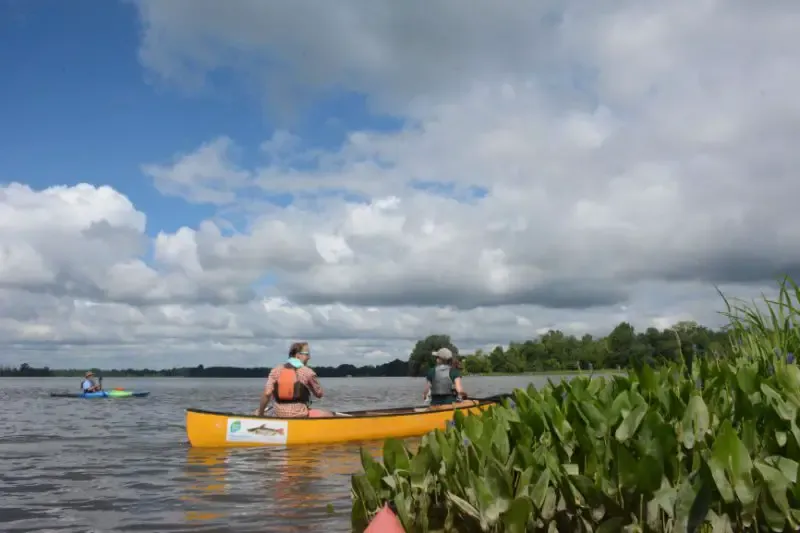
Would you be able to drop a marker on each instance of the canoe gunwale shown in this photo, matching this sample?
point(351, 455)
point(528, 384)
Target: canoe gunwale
point(369, 413)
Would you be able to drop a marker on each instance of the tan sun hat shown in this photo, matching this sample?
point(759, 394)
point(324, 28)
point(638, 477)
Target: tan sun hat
point(443, 353)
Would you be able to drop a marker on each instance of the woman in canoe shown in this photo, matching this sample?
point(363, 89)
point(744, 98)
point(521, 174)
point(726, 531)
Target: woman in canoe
point(444, 380)
point(290, 385)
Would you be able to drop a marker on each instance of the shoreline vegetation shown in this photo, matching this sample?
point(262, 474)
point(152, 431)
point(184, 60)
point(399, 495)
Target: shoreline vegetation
point(707, 442)
point(554, 353)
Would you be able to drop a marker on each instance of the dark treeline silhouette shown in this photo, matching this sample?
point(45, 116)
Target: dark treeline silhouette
point(553, 351)
point(25, 371)
point(392, 368)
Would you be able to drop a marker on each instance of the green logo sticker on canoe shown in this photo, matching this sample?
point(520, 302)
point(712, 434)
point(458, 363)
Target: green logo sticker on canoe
point(236, 425)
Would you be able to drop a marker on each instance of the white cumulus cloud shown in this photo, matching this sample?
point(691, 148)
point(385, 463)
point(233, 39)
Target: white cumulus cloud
point(560, 165)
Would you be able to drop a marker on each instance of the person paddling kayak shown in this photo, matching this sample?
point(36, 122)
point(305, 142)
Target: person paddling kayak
point(89, 384)
point(290, 385)
point(443, 381)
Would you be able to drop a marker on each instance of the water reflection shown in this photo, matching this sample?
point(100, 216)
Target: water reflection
point(296, 485)
point(206, 474)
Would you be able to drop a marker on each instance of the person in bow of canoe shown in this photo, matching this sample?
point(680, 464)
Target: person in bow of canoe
point(290, 385)
point(444, 380)
point(88, 384)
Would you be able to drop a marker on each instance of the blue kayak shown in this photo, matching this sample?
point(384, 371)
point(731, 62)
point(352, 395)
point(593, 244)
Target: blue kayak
point(101, 394)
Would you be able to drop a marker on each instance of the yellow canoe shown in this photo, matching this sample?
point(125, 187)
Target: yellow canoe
point(211, 429)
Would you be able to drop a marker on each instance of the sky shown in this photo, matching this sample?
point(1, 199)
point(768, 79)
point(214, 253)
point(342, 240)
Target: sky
point(203, 182)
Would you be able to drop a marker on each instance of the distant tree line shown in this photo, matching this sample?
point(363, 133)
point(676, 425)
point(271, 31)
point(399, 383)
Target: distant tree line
point(25, 371)
point(394, 368)
point(556, 351)
point(553, 351)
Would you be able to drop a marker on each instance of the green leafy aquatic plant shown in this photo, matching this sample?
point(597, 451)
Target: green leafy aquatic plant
point(712, 448)
point(763, 335)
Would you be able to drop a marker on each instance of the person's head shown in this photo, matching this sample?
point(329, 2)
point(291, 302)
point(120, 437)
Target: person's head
point(300, 351)
point(89, 375)
point(443, 356)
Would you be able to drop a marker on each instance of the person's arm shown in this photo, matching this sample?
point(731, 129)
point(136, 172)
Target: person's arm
point(456, 375)
point(312, 382)
point(266, 395)
point(262, 406)
point(459, 388)
point(428, 380)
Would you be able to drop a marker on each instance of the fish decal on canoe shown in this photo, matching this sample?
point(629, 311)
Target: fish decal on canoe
point(266, 431)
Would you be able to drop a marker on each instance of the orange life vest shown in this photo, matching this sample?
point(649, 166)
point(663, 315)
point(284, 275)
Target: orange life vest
point(289, 389)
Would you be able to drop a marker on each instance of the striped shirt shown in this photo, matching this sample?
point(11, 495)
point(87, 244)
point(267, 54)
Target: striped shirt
point(307, 377)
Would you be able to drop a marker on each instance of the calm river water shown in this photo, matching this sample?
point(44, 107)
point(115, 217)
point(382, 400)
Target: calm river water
point(124, 465)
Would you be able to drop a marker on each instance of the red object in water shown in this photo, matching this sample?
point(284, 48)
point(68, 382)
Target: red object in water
point(385, 522)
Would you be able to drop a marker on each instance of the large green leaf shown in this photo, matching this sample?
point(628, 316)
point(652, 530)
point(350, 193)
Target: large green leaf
point(777, 485)
point(788, 467)
point(619, 408)
point(500, 442)
point(649, 474)
point(731, 454)
point(631, 423)
point(522, 486)
point(404, 511)
point(446, 450)
point(595, 418)
point(464, 505)
point(648, 381)
point(612, 525)
point(695, 421)
point(365, 492)
point(627, 468)
point(420, 466)
point(747, 379)
point(788, 377)
point(685, 497)
point(717, 467)
point(785, 410)
point(374, 471)
point(698, 512)
point(498, 480)
point(395, 455)
point(720, 524)
point(539, 491)
point(358, 515)
point(515, 519)
point(665, 497)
